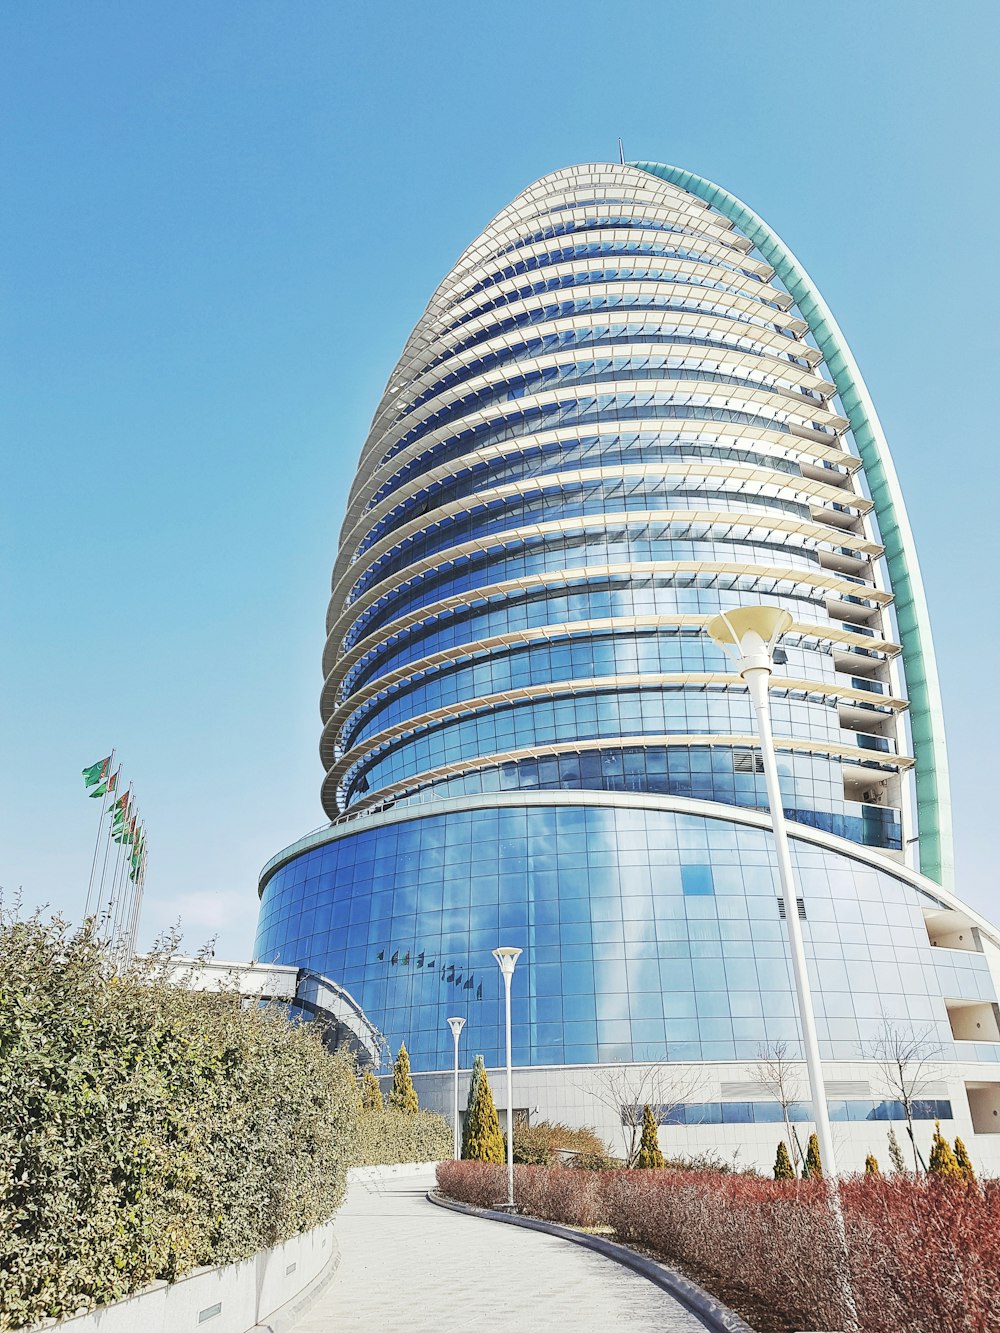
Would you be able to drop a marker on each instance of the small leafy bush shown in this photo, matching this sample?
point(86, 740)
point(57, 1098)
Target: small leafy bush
point(541, 1143)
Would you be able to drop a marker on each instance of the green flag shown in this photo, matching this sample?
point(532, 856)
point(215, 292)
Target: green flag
point(105, 787)
point(96, 772)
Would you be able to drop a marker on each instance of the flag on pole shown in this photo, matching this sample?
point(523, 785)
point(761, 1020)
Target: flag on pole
point(96, 772)
point(105, 787)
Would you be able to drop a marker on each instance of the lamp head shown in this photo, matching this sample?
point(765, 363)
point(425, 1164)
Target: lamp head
point(749, 633)
point(507, 958)
point(456, 1025)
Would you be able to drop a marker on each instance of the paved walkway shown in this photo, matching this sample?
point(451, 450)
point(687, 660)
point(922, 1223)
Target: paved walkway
point(406, 1264)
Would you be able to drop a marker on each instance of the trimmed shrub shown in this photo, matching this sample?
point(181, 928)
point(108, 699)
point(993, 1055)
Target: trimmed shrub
point(402, 1094)
point(483, 1184)
point(783, 1169)
point(650, 1156)
point(389, 1136)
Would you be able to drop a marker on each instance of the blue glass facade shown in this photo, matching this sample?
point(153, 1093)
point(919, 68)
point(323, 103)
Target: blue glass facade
point(611, 423)
point(646, 933)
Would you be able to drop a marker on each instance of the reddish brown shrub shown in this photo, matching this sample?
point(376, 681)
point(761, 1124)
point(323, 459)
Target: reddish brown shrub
point(482, 1184)
point(559, 1194)
point(771, 1240)
point(924, 1254)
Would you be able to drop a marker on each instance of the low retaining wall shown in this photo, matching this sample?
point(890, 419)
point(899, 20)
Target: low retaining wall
point(265, 1293)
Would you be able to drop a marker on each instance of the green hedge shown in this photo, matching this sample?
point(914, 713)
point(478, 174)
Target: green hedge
point(146, 1130)
point(396, 1136)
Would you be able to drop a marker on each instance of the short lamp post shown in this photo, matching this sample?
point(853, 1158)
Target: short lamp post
point(456, 1025)
point(748, 634)
point(507, 960)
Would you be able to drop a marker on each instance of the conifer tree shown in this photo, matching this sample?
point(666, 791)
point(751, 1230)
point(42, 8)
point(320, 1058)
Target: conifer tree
point(783, 1169)
point(964, 1162)
point(478, 1071)
point(896, 1153)
point(871, 1165)
point(813, 1168)
point(403, 1095)
point(649, 1144)
point(942, 1162)
point(483, 1140)
point(370, 1092)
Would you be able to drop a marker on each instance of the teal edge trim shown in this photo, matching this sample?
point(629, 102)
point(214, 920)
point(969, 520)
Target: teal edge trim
point(926, 714)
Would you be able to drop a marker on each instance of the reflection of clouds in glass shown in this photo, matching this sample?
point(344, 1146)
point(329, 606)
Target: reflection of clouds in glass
point(640, 927)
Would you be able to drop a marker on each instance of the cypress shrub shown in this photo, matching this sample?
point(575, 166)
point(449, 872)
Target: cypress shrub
point(649, 1145)
point(871, 1165)
point(478, 1073)
point(484, 1142)
point(896, 1154)
point(783, 1169)
point(942, 1159)
point(964, 1162)
point(813, 1168)
point(402, 1094)
point(370, 1093)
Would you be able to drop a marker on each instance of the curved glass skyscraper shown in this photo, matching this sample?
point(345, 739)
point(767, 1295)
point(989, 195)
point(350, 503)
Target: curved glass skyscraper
point(625, 409)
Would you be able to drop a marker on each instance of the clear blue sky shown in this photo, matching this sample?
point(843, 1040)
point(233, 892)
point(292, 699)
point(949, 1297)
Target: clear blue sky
point(219, 223)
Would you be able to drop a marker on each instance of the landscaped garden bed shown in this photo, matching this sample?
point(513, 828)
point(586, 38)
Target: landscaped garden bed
point(923, 1254)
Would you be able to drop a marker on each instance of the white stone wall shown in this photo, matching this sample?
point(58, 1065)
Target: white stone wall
point(578, 1095)
point(233, 1299)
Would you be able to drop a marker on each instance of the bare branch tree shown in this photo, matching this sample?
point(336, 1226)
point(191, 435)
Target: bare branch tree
point(906, 1058)
point(777, 1074)
point(626, 1088)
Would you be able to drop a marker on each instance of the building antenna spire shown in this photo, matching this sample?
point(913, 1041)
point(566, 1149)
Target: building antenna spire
point(621, 153)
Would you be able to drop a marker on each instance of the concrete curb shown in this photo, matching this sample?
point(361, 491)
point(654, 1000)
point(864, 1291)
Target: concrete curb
point(285, 1318)
point(713, 1314)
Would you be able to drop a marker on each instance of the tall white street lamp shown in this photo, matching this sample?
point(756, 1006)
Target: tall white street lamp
point(748, 634)
point(507, 960)
point(456, 1025)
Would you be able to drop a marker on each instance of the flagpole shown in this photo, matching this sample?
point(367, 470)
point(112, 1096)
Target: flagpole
point(118, 902)
point(104, 868)
point(112, 897)
point(112, 901)
point(97, 843)
point(129, 886)
point(137, 900)
point(121, 887)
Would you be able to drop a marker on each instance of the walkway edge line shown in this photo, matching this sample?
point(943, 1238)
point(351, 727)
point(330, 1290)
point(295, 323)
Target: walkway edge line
point(713, 1314)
